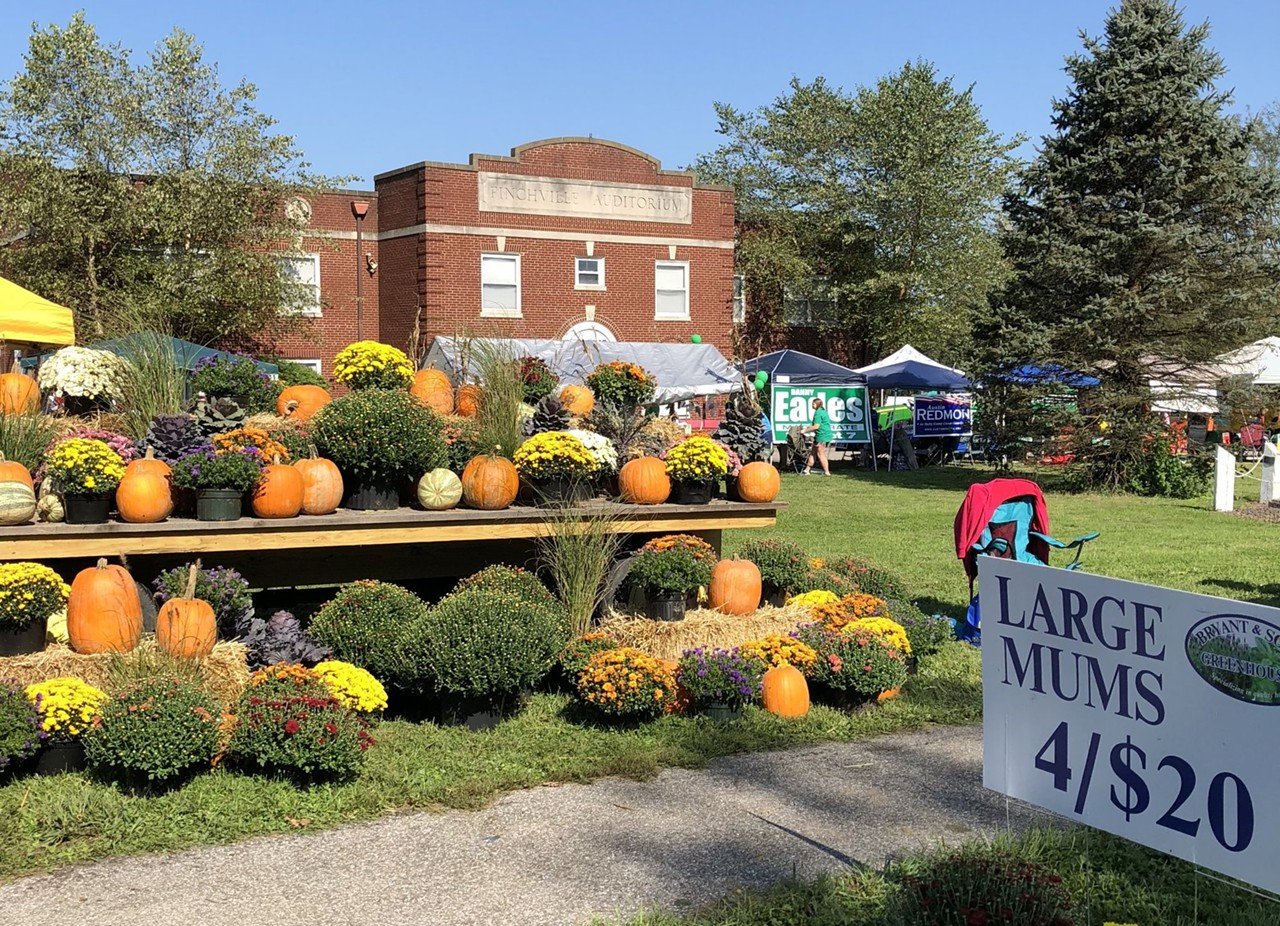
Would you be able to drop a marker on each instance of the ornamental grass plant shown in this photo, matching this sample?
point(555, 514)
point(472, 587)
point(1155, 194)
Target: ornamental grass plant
point(152, 381)
point(24, 437)
point(578, 553)
point(499, 422)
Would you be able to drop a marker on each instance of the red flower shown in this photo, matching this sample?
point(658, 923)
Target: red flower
point(291, 727)
point(835, 662)
point(331, 728)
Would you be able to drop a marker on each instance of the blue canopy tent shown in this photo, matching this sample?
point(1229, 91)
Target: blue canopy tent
point(185, 353)
point(801, 369)
point(1031, 374)
point(908, 370)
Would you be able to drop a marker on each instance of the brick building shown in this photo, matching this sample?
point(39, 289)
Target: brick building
point(568, 237)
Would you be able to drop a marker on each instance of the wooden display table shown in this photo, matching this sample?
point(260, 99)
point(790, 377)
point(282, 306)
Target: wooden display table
point(346, 545)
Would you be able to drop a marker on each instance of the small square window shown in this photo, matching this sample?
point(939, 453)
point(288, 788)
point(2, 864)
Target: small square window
point(500, 286)
point(588, 273)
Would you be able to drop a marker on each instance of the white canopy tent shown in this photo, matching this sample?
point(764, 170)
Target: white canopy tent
point(907, 369)
point(1260, 361)
point(683, 371)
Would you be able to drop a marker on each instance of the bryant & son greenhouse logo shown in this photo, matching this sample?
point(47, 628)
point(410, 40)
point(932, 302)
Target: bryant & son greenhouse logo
point(1238, 655)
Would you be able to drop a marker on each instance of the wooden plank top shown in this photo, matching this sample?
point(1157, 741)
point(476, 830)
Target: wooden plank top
point(357, 528)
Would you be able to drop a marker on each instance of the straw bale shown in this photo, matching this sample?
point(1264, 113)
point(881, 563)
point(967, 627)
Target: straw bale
point(700, 627)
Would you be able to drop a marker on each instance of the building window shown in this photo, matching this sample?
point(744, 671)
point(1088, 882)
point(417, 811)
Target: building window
point(739, 298)
point(812, 305)
point(500, 285)
point(588, 273)
point(671, 290)
point(315, 365)
point(303, 270)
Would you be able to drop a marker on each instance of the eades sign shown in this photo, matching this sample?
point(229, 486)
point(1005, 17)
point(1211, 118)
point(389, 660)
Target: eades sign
point(847, 406)
point(1142, 711)
point(942, 416)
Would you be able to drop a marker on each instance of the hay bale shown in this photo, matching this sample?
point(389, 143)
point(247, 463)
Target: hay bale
point(224, 673)
point(700, 627)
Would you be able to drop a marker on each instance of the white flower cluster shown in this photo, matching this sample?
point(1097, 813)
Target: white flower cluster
point(82, 372)
point(600, 447)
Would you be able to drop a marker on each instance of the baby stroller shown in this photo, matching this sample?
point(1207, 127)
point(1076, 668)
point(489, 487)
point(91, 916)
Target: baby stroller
point(799, 446)
point(1006, 518)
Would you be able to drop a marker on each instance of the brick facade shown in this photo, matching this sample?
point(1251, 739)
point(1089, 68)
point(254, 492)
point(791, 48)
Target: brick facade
point(426, 230)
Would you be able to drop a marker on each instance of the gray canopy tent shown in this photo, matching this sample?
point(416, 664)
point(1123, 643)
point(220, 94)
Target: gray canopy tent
point(683, 371)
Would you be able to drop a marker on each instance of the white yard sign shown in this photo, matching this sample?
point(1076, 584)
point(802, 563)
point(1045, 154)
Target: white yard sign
point(1149, 713)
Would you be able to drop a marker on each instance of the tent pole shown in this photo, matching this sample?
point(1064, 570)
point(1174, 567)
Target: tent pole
point(893, 428)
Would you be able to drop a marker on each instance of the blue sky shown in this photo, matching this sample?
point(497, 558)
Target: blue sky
point(368, 86)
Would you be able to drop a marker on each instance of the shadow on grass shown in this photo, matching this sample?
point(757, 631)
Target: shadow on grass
point(930, 605)
point(1265, 594)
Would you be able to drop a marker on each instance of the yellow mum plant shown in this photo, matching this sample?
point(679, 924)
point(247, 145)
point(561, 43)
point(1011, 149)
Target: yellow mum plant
point(67, 706)
point(627, 682)
point(779, 650)
point(890, 631)
point(555, 455)
point(813, 599)
point(84, 466)
point(351, 686)
point(849, 608)
point(698, 459)
point(372, 365)
point(30, 592)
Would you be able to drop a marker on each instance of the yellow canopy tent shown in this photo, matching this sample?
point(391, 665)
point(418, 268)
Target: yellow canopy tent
point(26, 318)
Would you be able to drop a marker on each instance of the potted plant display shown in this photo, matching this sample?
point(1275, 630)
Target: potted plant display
point(85, 379)
point(782, 564)
point(668, 576)
point(372, 365)
point(720, 682)
point(68, 707)
point(605, 684)
point(853, 666)
point(602, 449)
point(30, 593)
point(86, 472)
point(220, 480)
point(621, 384)
point(20, 733)
point(538, 378)
point(558, 466)
point(696, 466)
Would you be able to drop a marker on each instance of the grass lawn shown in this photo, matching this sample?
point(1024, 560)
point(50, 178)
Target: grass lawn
point(904, 521)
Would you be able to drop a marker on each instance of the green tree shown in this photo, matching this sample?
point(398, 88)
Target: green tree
point(885, 196)
point(1142, 237)
point(148, 189)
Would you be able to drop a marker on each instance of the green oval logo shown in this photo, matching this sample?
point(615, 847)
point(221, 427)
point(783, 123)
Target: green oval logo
point(1238, 655)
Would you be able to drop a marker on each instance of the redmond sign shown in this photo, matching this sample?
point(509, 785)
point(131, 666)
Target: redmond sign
point(584, 198)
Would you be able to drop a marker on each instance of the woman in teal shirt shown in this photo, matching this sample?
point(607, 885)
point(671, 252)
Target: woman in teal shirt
point(821, 430)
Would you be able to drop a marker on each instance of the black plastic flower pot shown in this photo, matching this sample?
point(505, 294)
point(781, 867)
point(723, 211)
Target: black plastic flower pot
point(772, 595)
point(695, 493)
point(731, 489)
point(665, 606)
point(87, 509)
point(481, 713)
point(372, 496)
point(563, 491)
point(22, 641)
point(59, 758)
point(219, 505)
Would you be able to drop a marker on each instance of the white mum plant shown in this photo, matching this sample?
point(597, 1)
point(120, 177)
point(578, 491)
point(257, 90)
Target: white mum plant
point(82, 372)
point(600, 447)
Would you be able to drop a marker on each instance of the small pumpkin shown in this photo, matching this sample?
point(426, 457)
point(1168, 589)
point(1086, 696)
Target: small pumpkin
point(17, 502)
point(735, 587)
point(577, 400)
point(278, 493)
point(186, 627)
point(49, 504)
point(15, 472)
point(433, 389)
point(785, 691)
point(104, 614)
point(19, 394)
point(644, 481)
point(490, 483)
point(758, 482)
point(439, 490)
point(301, 402)
point(144, 496)
point(321, 484)
point(468, 400)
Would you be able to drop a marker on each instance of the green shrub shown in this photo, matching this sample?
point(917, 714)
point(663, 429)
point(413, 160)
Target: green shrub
point(782, 563)
point(673, 571)
point(158, 729)
point(479, 642)
point(20, 731)
point(380, 435)
point(364, 623)
point(301, 735)
point(927, 633)
point(849, 574)
point(984, 884)
point(852, 662)
point(236, 378)
point(509, 580)
point(298, 374)
point(1161, 473)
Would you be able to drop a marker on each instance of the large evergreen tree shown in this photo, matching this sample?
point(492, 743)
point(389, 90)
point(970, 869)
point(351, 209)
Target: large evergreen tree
point(1142, 237)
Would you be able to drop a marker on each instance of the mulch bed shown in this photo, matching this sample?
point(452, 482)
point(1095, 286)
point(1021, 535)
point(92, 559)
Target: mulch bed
point(1259, 511)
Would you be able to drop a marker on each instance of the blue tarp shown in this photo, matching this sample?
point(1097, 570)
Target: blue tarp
point(799, 368)
point(1030, 374)
point(186, 354)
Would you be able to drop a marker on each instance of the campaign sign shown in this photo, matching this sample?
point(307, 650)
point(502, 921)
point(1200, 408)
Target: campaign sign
point(1145, 712)
point(942, 416)
point(847, 405)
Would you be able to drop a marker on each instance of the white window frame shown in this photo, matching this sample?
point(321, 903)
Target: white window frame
point(488, 311)
point(739, 298)
point(310, 310)
point(316, 365)
point(577, 273)
point(684, 266)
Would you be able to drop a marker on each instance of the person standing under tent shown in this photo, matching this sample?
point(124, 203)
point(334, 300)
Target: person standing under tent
point(822, 434)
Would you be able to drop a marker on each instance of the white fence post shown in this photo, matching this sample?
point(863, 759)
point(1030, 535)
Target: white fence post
point(1224, 479)
point(1268, 492)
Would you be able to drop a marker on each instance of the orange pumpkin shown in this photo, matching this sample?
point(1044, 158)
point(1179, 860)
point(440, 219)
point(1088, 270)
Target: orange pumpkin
point(644, 481)
point(321, 484)
point(104, 613)
point(735, 587)
point(786, 693)
point(577, 400)
point(144, 496)
point(15, 472)
point(19, 393)
point(433, 389)
point(278, 493)
point(490, 483)
point(468, 400)
point(301, 402)
point(149, 464)
point(186, 627)
point(758, 482)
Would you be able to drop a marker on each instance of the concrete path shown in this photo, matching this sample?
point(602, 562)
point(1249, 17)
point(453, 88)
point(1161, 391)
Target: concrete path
point(560, 855)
